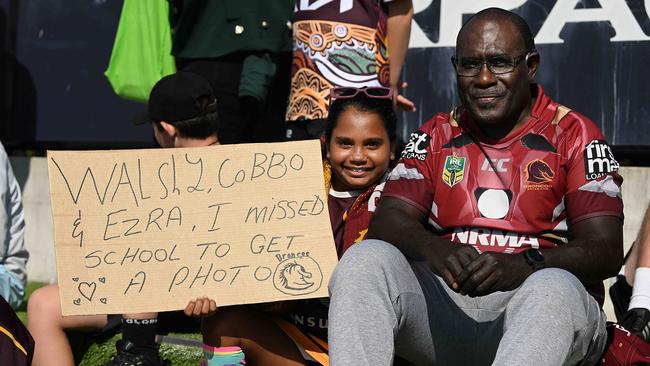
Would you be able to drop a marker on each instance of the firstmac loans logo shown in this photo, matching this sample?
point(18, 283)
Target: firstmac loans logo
point(599, 160)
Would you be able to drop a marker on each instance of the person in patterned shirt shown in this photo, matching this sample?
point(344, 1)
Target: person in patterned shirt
point(495, 229)
point(344, 43)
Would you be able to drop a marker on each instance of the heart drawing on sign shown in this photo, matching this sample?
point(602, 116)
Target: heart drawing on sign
point(87, 290)
point(103, 300)
point(76, 301)
point(102, 279)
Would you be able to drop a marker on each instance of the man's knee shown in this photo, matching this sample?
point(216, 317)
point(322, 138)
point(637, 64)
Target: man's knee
point(557, 288)
point(555, 279)
point(367, 259)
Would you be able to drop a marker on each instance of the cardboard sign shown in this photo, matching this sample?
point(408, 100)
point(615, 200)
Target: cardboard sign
point(148, 230)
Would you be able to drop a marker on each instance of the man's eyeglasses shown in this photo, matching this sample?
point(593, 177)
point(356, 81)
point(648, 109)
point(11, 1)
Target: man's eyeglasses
point(500, 64)
point(376, 92)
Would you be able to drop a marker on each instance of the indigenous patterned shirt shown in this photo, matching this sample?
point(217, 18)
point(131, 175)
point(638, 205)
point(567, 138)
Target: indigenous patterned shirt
point(335, 43)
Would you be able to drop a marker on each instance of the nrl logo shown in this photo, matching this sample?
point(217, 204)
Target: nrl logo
point(454, 169)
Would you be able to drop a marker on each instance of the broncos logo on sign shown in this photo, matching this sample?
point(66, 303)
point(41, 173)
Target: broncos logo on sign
point(294, 276)
point(538, 172)
point(298, 276)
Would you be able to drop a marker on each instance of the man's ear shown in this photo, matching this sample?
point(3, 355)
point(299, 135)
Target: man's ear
point(169, 129)
point(532, 63)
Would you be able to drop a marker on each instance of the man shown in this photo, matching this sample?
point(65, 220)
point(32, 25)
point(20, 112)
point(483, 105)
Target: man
point(13, 254)
point(498, 216)
point(183, 112)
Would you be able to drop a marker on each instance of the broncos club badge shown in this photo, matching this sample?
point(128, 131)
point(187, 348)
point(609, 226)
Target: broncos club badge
point(454, 170)
point(298, 276)
point(538, 175)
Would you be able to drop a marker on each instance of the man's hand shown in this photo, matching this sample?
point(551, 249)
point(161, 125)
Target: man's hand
point(451, 264)
point(400, 102)
point(201, 307)
point(490, 272)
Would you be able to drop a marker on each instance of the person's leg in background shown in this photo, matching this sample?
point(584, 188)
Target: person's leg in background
point(138, 343)
point(253, 331)
point(637, 272)
point(48, 326)
point(267, 124)
point(621, 291)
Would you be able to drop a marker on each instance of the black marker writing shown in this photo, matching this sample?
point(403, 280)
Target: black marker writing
point(89, 172)
point(142, 197)
point(220, 251)
point(125, 180)
point(196, 186)
point(216, 214)
point(138, 279)
point(80, 233)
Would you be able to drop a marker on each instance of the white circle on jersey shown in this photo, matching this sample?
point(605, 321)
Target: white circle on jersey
point(493, 204)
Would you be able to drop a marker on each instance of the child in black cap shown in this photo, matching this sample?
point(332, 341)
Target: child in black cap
point(182, 109)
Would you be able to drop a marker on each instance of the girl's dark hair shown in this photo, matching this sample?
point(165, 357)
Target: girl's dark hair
point(363, 103)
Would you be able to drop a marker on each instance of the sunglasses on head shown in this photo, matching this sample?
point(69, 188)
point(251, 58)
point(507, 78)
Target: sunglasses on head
point(376, 92)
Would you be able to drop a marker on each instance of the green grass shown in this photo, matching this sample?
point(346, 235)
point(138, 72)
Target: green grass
point(100, 353)
point(90, 353)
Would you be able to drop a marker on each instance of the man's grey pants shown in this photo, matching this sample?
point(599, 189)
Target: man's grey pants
point(383, 304)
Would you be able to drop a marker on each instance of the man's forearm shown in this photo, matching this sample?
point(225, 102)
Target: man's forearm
point(400, 15)
point(409, 235)
point(592, 258)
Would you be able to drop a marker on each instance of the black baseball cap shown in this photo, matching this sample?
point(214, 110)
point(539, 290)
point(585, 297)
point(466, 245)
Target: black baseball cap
point(175, 98)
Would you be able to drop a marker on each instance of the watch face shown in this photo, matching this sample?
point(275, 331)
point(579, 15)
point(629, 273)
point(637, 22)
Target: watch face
point(535, 255)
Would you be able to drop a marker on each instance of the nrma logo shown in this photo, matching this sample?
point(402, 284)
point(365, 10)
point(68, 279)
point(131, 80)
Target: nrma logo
point(493, 238)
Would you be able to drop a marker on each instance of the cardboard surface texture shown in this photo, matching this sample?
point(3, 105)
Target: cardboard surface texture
point(148, 230)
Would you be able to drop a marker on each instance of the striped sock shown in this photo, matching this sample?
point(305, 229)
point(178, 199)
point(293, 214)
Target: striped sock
point(222, 356)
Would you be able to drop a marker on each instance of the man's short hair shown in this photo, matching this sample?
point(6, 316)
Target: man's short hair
point(501, 14)
point(187, 101)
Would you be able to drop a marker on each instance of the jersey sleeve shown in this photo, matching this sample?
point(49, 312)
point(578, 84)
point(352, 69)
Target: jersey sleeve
point(411, 179)
point(593, 184)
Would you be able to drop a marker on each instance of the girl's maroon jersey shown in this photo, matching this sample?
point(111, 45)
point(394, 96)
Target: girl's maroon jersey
point(523, 191)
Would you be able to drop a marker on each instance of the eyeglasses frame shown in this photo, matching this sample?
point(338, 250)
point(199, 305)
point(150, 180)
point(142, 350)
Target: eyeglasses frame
point(364, 89)
point(484, 61)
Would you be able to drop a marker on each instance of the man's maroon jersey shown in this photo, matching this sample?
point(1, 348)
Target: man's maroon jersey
point(523, 191)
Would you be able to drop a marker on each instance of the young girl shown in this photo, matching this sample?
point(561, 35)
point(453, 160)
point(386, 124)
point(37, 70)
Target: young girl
point(360, 146)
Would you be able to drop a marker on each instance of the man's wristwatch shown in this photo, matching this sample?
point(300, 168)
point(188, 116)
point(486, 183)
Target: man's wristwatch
point(534, 258)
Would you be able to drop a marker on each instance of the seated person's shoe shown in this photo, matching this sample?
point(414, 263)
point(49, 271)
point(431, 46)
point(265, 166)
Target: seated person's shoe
point(222, 356)
point(638, 322)
point(126, 356)
point(620, 293)
point(624, 348)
